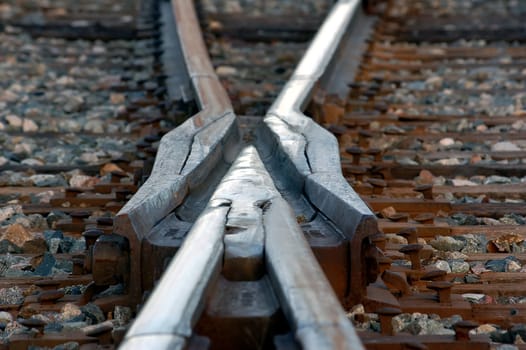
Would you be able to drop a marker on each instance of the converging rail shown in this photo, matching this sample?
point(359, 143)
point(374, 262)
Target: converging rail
point(251, 234)
point(186, 157)
point(313, 151)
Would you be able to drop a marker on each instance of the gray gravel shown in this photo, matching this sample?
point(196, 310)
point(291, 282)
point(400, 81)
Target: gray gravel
point(42, 96)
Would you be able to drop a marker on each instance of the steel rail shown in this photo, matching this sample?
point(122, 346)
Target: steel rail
point(247, 200)
point(175, 305)
point(312, 150)
point(187, 154)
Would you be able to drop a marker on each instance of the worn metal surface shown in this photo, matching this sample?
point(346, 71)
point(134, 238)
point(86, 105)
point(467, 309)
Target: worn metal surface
point(249, 209)
point(176, 303)
point(245, 273)
point(314, 152)
point(307, 298)
point(258, 214)
point(187, 154)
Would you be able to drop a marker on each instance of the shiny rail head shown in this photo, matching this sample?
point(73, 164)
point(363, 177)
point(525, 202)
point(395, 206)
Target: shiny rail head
point(246, 199)
point(322, 49)
point(178, 300)
point(176, 303)
point(305, 294)
point(317, 59)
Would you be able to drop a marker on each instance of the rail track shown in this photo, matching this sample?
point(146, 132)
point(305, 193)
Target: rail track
point(235, 232)
point(430, 137)
point(245, 285)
